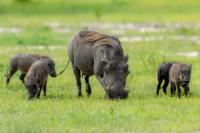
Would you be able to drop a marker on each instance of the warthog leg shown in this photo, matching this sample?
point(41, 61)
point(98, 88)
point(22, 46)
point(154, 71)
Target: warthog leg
point(165, 86)
point(158, 85)
point(39, 88)
point(88, 88)
point(22, 77)
point(78, 80)
point(11, 71)
point(44, 88)
point(179, 90)
point(172, 89)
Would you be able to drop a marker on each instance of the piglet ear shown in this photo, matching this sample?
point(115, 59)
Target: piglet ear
point(126, 58)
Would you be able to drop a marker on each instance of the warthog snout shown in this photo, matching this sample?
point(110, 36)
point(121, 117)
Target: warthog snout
point(116, 94)
point(53, 75)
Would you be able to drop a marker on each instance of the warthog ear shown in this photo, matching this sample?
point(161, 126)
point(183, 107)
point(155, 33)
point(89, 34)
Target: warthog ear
point(126, 58)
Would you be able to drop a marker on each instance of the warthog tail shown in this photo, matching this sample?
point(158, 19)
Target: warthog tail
point(64, 68)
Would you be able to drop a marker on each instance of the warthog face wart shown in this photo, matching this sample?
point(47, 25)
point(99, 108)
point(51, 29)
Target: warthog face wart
point(114, 77)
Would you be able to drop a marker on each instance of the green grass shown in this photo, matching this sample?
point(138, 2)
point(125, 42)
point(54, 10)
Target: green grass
point(61, 110)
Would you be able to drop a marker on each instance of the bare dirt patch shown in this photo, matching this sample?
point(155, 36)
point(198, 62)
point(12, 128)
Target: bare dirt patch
point(143, 27)
point(194, 39)
point(10, 30)
point(191, 54)
point(57, 27)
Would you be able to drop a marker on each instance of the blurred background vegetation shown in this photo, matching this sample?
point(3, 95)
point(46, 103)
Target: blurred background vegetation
point(37, 17)
point(104, 10)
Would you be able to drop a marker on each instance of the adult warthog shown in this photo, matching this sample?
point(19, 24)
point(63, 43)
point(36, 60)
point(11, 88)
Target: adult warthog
point(93, 53)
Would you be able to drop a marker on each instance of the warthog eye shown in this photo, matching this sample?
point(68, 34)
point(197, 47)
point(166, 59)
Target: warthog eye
point(101, 75)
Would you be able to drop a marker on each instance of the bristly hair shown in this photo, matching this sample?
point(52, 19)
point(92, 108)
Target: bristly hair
point(96, 38)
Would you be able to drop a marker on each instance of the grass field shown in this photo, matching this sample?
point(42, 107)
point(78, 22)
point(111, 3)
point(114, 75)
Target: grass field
point(151, 32)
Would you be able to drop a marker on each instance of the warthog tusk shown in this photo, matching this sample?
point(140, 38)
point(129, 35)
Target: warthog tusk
point(108, 87)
